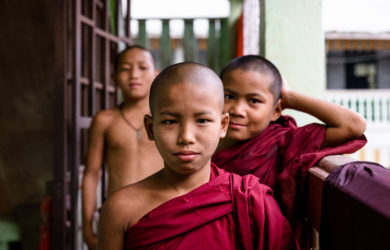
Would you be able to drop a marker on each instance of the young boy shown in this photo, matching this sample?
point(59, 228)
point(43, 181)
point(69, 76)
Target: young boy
point(190, 203)
point(262, 142)
point(118, 135)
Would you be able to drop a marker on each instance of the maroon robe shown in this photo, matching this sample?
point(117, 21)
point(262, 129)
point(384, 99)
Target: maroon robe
point(281, 156)
point(228, 212)
point(356, 208)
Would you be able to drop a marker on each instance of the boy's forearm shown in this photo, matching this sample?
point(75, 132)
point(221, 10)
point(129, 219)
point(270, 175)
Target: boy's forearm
point(324, 111)
point(344, 123)
point(331, 114)
point(89, 200)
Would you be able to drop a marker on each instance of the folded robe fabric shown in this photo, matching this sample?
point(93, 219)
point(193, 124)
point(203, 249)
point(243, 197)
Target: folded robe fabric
point(356, 208)
point(281, 156)
point(228, 212)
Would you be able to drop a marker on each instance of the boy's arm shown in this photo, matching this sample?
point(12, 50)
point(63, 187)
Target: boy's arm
point(91, 178)
point(112, 225)
point(342, 124)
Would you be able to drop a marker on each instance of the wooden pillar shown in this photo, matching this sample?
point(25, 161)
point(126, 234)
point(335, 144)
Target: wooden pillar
point(212, 45)
point(189, 41)
point(165, 45)
point(142, 39)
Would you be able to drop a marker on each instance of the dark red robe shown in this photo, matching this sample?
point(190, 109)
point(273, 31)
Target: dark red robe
point(281, 156)
point(356, 208)
point(228, 212)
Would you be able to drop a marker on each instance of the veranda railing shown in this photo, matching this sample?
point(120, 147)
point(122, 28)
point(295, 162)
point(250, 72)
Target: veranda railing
point(374, 105)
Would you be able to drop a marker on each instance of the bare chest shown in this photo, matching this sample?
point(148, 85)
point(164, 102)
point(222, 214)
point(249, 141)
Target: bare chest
point(122, 137)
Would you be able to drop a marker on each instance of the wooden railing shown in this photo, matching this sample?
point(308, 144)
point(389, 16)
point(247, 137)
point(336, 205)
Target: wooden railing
point(316, 179)
point(362, 186)
point(211, 49)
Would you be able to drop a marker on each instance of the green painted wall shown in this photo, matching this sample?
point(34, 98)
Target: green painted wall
point(9, 231)
point(292, 38)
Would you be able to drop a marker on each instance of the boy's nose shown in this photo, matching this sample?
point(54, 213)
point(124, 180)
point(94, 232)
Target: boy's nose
point(186, 135)
point(237, 109)
point(134, 73)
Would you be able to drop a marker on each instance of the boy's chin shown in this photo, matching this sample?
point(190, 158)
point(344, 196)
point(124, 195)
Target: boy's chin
point(135, 95)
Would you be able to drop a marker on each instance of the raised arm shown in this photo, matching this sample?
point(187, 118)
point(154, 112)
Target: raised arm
point(342, 124)
point(91, 177)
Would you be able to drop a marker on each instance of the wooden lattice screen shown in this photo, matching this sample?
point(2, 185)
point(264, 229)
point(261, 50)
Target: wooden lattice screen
point(95, 31)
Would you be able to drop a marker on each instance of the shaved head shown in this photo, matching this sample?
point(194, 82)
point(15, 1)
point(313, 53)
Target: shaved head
point(258, 64)
point(197, 75)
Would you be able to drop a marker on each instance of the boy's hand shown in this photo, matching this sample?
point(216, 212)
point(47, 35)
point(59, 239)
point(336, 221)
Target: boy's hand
point(91, 239)
point(284, 95)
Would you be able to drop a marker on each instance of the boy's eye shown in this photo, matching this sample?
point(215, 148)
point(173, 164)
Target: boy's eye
point(228, 96)
point(124, 69)
point(168, 122)
point(254, 101)
point(203, 121)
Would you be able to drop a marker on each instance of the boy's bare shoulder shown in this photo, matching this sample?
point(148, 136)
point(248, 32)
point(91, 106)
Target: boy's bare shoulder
point(130, 203)
point(107, 114)
point(123, 204)
point(105, 117)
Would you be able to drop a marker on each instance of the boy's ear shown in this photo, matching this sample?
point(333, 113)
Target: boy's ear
point(277, 111)
point(148, 123)
point(224, 124)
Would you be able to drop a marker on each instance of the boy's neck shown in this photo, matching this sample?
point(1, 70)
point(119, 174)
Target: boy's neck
point(182, 184)
point(137, 104)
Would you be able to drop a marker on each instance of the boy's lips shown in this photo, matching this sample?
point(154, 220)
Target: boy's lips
point(236, 125)
point(186, 155)
point(134, 85)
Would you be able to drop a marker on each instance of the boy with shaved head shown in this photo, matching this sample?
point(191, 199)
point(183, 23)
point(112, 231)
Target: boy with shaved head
point(191, 203)
point(262, 142)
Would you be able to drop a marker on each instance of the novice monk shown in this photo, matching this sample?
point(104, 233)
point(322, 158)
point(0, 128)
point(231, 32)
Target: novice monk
point(118, 135)
point(190, 203)
point(260, 141)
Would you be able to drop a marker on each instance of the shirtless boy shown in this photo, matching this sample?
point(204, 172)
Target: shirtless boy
point(118, 135)
point(190, 203)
